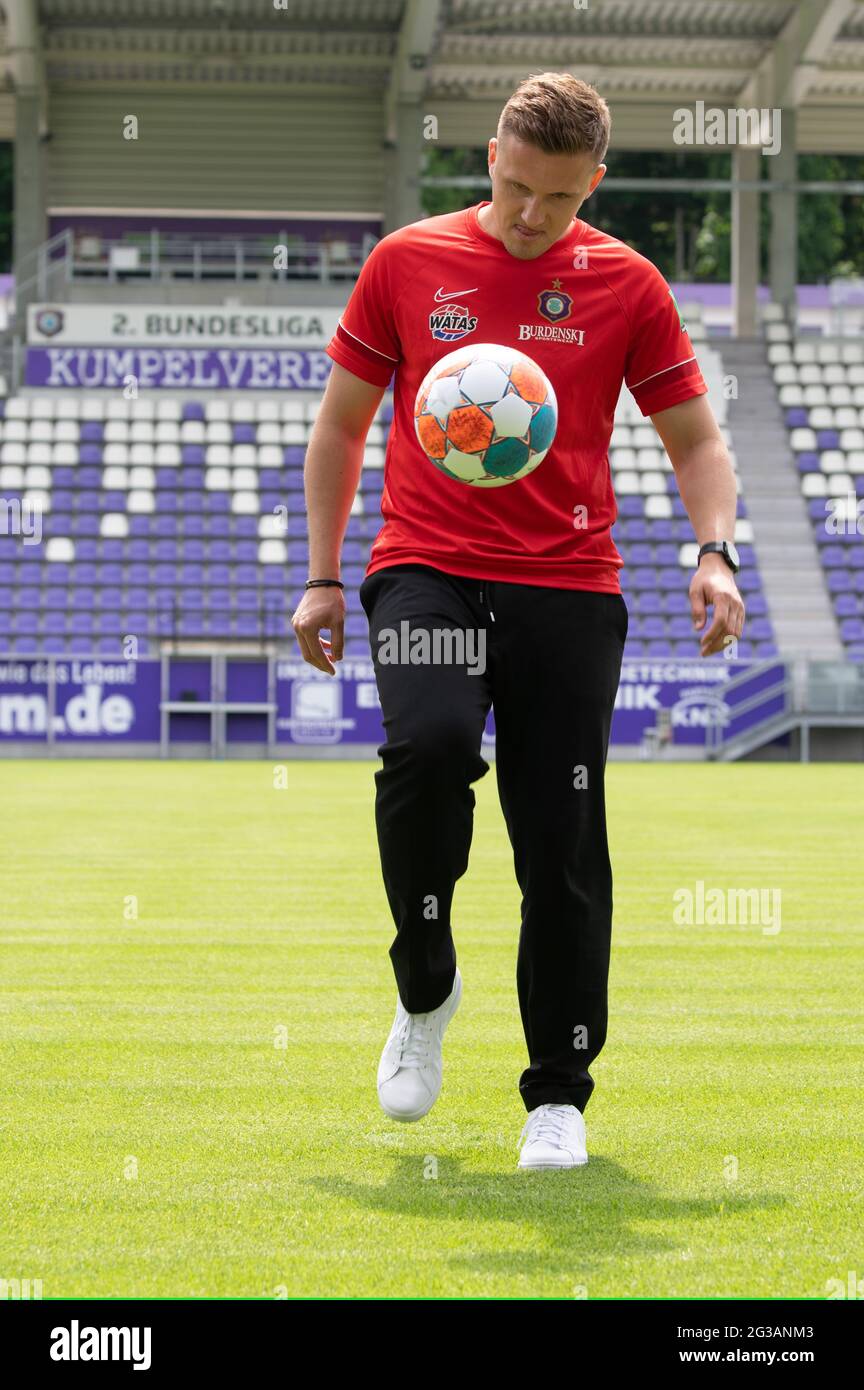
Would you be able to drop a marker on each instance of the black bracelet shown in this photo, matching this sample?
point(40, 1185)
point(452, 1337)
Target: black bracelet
point(318, 583)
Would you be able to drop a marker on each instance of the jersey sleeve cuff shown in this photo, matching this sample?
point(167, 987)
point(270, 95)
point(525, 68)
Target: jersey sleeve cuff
point(366, 364)
point(659, 395)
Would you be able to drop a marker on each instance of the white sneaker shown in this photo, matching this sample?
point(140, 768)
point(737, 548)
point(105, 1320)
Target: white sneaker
point(411, 1066)
point(554, 1137)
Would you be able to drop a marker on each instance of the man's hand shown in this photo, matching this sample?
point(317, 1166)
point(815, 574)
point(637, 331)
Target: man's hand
point(714, 584)
point(319, 608)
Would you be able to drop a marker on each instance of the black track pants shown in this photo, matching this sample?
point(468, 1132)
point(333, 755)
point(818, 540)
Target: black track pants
point(552, 662)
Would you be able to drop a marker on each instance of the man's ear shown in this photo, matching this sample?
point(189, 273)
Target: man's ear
point(493, 148)
point(596, 178)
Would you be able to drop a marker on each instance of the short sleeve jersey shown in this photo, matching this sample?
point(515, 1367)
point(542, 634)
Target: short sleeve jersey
point(591, 312)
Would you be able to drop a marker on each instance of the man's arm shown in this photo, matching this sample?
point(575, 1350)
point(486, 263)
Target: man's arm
point(331, 474)
point(706, 482)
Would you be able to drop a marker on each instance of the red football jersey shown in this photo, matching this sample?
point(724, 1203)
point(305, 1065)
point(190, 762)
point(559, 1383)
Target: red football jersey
point(591, 312)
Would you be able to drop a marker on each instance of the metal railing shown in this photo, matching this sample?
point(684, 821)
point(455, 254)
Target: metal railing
point(71, 257)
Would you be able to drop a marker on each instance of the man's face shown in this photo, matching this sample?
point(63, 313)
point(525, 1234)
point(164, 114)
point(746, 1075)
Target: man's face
point(535, 195)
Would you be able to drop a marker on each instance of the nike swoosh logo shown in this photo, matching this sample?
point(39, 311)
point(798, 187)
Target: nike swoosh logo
point(440, 295)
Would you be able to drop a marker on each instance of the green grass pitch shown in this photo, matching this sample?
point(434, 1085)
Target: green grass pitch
point(188, 1096)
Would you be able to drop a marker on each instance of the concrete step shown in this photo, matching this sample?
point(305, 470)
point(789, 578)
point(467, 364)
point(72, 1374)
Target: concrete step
point(792, 577)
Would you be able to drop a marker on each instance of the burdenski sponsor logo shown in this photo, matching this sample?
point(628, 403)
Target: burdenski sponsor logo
point(552, 333)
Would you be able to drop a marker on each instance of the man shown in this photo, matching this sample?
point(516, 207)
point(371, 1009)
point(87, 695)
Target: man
point(531, 566)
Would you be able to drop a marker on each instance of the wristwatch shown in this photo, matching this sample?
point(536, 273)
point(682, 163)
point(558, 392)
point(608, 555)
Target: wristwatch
point(724, 548)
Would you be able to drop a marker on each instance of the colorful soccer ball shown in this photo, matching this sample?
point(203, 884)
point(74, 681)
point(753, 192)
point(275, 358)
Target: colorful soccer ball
point(486, 415)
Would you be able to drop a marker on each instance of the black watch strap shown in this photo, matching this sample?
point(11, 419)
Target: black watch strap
point(724, 548)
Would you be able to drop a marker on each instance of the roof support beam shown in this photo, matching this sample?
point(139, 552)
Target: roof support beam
point(26, 68)
point(403, 134)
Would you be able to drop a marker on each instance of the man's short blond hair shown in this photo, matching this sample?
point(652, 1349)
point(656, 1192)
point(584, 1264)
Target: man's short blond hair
point(560, 114)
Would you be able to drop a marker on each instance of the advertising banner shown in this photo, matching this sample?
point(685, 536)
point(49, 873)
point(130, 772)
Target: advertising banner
point(314, 709)
point(118, 701)
point(104, 701)
point(177, 368)
point(178, 325)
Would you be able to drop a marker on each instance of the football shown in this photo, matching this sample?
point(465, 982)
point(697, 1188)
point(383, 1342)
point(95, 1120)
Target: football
point(486, 415)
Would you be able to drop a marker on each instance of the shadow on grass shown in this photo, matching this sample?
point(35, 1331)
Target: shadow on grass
point(578, 1218)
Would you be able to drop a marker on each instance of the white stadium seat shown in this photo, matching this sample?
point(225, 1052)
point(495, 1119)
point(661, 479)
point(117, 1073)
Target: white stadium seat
point(217, 480)
point(658, 508)
point(218, 456)
point(60, 549)
point(114, 525)
point(141, 502)
point(627, 484)
point(115, 478)
point(115, 453)
point(272, 552)
point(36, 501)
point(245, 503)
point(142, 477)
point(37, 476)
point(141, 455)
point(39, 453)
point(814, 485)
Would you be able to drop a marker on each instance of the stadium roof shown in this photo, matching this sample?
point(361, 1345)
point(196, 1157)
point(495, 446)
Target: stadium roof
point(463, 57)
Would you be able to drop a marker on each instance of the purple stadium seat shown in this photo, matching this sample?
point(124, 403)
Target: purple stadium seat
point(245, 625)
point(90, 454)
point(81, 622)
point(61, 478)
point(53, 646)
point(658, 647)
point(193, 454)
point(217, 502)
point(852, 630)
point(828, 439)
point(91, 431)
point(193, 410)
point(244, 434)
point(796, 417)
